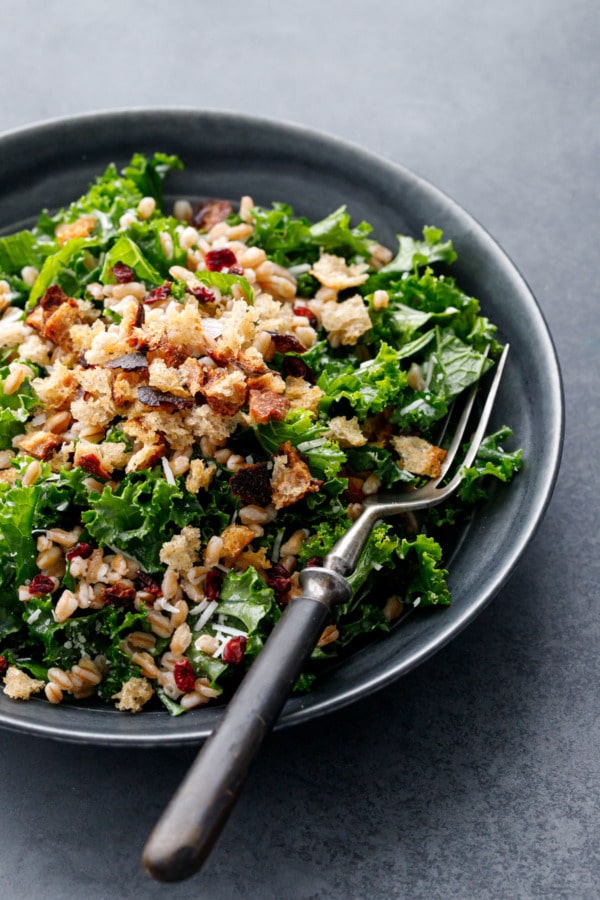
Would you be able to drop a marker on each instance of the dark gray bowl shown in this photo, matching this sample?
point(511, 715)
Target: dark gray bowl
point(229, 155)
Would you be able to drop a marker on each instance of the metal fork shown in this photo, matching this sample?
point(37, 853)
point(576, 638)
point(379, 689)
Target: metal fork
point(187, 830)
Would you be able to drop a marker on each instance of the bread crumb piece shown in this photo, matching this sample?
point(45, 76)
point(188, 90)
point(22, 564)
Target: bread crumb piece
point(346, 432)
point(181, 552)
point(20, 686)
point(419, 456)
point(134, 694)
point(346, 321)
point(334, 272)
point(200, 476)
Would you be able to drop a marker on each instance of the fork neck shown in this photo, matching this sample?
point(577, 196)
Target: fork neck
point(344, 555)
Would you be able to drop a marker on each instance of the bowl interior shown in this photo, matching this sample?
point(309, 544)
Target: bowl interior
point(226, 155)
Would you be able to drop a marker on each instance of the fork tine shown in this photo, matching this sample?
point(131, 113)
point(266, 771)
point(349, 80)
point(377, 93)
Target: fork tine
point(479, 432)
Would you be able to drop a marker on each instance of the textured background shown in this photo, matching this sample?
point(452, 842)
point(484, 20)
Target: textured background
point(477, 775)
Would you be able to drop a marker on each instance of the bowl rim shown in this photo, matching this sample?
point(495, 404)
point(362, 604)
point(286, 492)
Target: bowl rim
point(68, 728)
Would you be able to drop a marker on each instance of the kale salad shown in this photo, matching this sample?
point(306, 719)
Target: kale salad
point(194, 404)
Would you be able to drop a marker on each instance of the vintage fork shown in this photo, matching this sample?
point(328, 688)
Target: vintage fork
point(187, 830)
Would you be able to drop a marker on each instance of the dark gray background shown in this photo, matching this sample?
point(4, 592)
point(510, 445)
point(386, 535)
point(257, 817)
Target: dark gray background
point(477, 775)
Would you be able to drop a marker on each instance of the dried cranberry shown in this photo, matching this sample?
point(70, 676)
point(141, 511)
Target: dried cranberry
point(278, 579)
point(41, 584)
point(183, 674)
point(123, 274)
point(148, 584)
point(314, 561)
point(297, 368)
point(201, 292)
point(53, 298)
point(213, 584)
point(305, 311)
point(159, 293)
point(236, 270)
point(220, 259)
point(3, 665)
point(80, 549)
point(118, 594)
point(234, 649)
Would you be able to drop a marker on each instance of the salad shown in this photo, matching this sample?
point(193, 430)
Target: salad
point(193, 407)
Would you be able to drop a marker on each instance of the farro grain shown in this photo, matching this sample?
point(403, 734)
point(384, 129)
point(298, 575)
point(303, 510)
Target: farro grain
point(53, 692)
point(146, 207)
point(181, 615)
point(182, 210)
point(170, 584)
point(31, 473)
point(161, 625)
point(371, 485)
point(48, 557)
point(166, 242)
point(253, 514)
point(63, 679)
point(206, 643)
point(293, 545)
point(58, 422)
point(146, 663)
point(192, 700)
point(29, 275)
point(213, 551)
point(127, 219)
point(188, 238)
point(66, 606)
point(181, 640)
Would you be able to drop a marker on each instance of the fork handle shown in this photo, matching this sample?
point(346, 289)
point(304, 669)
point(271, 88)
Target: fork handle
point(187, 830)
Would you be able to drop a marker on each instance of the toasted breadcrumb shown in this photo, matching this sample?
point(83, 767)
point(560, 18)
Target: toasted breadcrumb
point(334, 272)
point(235, 539)
point(181, 552)
point(419, 456)
point(20, 686)
point(346, 432)
point(302, 394)
point(291, 479)
point(134, 694)
point(347, 321)
point(200, 476)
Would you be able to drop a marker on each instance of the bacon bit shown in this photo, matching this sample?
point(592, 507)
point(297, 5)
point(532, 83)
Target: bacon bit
point(118, 594)
point(80, 549)
point(202, 293)
point(183, 674)
point(3, 665)
point(129, 362)
point(161, 399)
point(159, 293)
point(148, 584)
point(314, 561)
point(265, 406)
point(210, 213)
point(305, 311)
point(140, 316)
point(213, 583)
point(91, 463)
point(234, 649)
point(286, 343)
point(297, 368)
point(123, 274)
point(354, 492)
point(252, 484)
point(53, 298)
point(236, 270)
point(220, 259)
point(172, 354)
point(41, 584)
